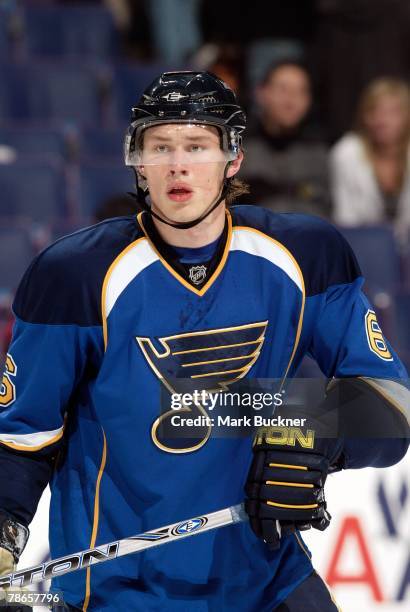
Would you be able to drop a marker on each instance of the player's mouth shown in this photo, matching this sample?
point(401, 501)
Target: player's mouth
point(179, 193)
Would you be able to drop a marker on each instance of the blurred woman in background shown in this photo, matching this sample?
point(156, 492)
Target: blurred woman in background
point(370, 167)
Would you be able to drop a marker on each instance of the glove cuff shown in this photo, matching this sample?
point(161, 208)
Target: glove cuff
point(13, 535)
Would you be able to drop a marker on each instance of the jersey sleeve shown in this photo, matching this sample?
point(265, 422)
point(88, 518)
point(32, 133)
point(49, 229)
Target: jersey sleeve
point(49, 351)
point(348, 340)
point(348, 343)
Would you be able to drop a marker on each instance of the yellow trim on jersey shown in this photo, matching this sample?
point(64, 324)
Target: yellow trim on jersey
point(245, 367)
point(206, 332)
point(105, 284)
point(216, 348)
point(307, 507)
point(195, 363)
point(291, 467)
point(179, 278)
point(95, 521)
point(302, 280)
point(289, 484)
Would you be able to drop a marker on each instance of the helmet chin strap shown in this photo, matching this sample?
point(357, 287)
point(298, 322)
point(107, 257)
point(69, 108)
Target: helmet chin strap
point(140, 197)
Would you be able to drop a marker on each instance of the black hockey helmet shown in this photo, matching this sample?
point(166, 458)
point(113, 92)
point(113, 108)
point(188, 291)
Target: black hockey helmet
point(191, 97)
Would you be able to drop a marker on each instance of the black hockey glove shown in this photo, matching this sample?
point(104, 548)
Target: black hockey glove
point(285, 484)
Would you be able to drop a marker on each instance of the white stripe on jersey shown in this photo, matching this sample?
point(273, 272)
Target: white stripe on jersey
point(256, 243)
point(123, 272)
point(31, 439)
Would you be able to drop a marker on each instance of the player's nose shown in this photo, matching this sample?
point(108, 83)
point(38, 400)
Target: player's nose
point(178, 164)
point(176, 170)
point(179, 158)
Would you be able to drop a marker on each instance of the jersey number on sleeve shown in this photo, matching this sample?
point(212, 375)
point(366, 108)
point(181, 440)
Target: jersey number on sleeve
point(377, 343)
point(7, 388)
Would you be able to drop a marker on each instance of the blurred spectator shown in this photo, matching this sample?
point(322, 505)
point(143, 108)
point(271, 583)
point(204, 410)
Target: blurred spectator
point(356, 41)
point(175, 29)
point(267, 36)
point(370, 167)
point(286, 158)
point(133, 22)
point(224, 60)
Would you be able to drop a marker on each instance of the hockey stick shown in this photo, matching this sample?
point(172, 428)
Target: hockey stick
point(141, 541)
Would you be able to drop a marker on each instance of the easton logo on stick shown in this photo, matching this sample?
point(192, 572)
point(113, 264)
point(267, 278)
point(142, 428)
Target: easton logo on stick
point(61, 566)
point(189, 526)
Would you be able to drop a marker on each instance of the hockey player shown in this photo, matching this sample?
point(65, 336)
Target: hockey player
point(189, 289)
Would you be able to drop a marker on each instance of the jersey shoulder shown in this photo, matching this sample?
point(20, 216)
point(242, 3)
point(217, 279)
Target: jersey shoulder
point(63, 283)
point(322, 253)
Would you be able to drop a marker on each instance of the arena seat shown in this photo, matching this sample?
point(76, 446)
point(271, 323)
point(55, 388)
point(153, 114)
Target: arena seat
point(4, 41)
point(129, 81)
point(82, 31)
point(35, 140)
point(33, 188)
point(16, 253)
point(51, 91)
point(100, 180)
point(14, 103)
point(103, 143)
point(376, 252)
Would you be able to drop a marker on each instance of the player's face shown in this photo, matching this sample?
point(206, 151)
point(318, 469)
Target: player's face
point(286, 98)
point(387, 121)
point(187, 178)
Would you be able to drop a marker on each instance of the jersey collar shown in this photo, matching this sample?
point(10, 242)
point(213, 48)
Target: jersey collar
point(169, 260)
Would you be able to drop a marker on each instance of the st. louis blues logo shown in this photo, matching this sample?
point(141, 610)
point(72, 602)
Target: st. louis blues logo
point(189, 526)
point(208, 360)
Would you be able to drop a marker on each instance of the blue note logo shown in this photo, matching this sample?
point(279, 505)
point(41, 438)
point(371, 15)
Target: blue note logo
point(190, 526)
point(209, 360)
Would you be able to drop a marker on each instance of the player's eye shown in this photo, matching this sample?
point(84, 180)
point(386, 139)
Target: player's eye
point(196, 148)
point(161, 148)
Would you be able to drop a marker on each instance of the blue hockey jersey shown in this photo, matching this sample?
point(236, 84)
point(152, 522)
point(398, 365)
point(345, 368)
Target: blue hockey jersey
point(103, 321)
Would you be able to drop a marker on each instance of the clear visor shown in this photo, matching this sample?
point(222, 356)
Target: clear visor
point(177, 144)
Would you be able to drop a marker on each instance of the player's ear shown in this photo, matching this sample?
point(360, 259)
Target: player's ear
point(235, 165)
point(140, 170)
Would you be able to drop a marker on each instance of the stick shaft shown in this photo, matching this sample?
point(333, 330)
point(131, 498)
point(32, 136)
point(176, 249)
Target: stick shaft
point(113, 550)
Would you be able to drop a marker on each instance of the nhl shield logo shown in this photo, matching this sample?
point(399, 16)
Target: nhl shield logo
point(197, 274)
